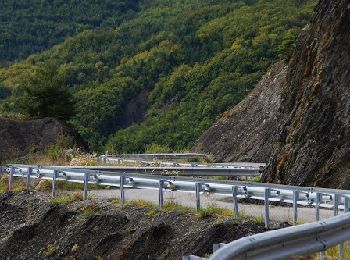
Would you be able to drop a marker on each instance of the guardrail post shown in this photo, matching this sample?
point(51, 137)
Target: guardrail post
point(317, 205)
point(29, 172)
point(346, 210)
point(54, 176)
point(161, 193)
point(266, 206)
point(235, 201)
point(335, 204)
point(198, 187)
point(86, 183)
point(12, 172)
point(295, 206)
point(341, 251)
point(122, 194)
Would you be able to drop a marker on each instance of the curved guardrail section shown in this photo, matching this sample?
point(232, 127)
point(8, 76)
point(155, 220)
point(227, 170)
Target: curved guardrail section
point(287, 242)
point(278, 244)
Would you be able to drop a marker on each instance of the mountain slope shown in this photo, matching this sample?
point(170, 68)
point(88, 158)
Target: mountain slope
point(28, 27)
point(183, 62)
point(247, 131)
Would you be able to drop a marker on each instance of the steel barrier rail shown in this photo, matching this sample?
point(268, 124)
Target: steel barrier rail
point(107, 170)
point(185, 171)
point(326, 198)
point(178, 171)
point(287, 242)
point(174, 156)
point(118, 160)
point(318, 197)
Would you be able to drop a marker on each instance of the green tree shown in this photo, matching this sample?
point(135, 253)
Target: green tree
point(45, 94)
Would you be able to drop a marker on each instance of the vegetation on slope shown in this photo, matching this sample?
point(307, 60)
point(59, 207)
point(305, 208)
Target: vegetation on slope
point(192, 59)
point(27, 27)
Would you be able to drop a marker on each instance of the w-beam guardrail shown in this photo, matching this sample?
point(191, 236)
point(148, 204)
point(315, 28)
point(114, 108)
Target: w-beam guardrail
point(176, 170)
point(287, 242)
point(306, 196)
point(166, 156)
point(119, 160)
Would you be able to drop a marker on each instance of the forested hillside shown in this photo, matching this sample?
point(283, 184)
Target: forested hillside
point(163, 76)
point(32, 26)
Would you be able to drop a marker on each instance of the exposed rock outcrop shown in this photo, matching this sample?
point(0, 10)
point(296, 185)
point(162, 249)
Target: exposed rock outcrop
point(313, 147)
point(307, 130)
point(18, 138)
point(32, 228)
point(246, 132)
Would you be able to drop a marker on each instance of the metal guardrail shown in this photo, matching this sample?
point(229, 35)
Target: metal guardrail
point(172, 156)
point(147, 161)
point(175, 170)
point(307, 196)
point(291, 241)
point(287, 242)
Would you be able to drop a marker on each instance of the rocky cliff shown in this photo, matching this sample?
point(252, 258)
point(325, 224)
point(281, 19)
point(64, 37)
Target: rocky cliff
point(17, 138)
point(246, 132)
point(300, 117)
point(313, 146)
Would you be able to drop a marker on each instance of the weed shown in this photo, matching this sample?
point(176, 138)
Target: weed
point(17, 185)
point(141, 203)
point(66, 199)
point(115, 200)
point(258, 219)
point(213, 210)
point(220, 178)
point(256, 179)
point(175, 207)
point(151, 213)
point(50, 250)
point(89, 210)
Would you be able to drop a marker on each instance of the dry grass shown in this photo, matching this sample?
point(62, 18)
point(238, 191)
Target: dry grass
point(67, 199)
point(17, 185)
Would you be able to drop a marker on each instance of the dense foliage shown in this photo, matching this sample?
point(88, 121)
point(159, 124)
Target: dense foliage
point(32, 26)
point(193, 58)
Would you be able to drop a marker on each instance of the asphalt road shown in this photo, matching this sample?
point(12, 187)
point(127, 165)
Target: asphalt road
point(277, 213)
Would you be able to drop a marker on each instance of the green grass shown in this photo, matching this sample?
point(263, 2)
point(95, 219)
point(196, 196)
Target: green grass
point(214, 211)
point(151, 213)
point(175, 207)
point(89, 210)
point(66, 199)
point(141, 203)
point(256, 179)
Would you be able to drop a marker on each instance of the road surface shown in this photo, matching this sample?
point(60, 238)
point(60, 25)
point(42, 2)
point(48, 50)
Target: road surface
point(277, 213)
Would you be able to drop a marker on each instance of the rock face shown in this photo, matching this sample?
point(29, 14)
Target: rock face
point(298, 116)
point(313, 147)
point(18, 138)
point(246, 132)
